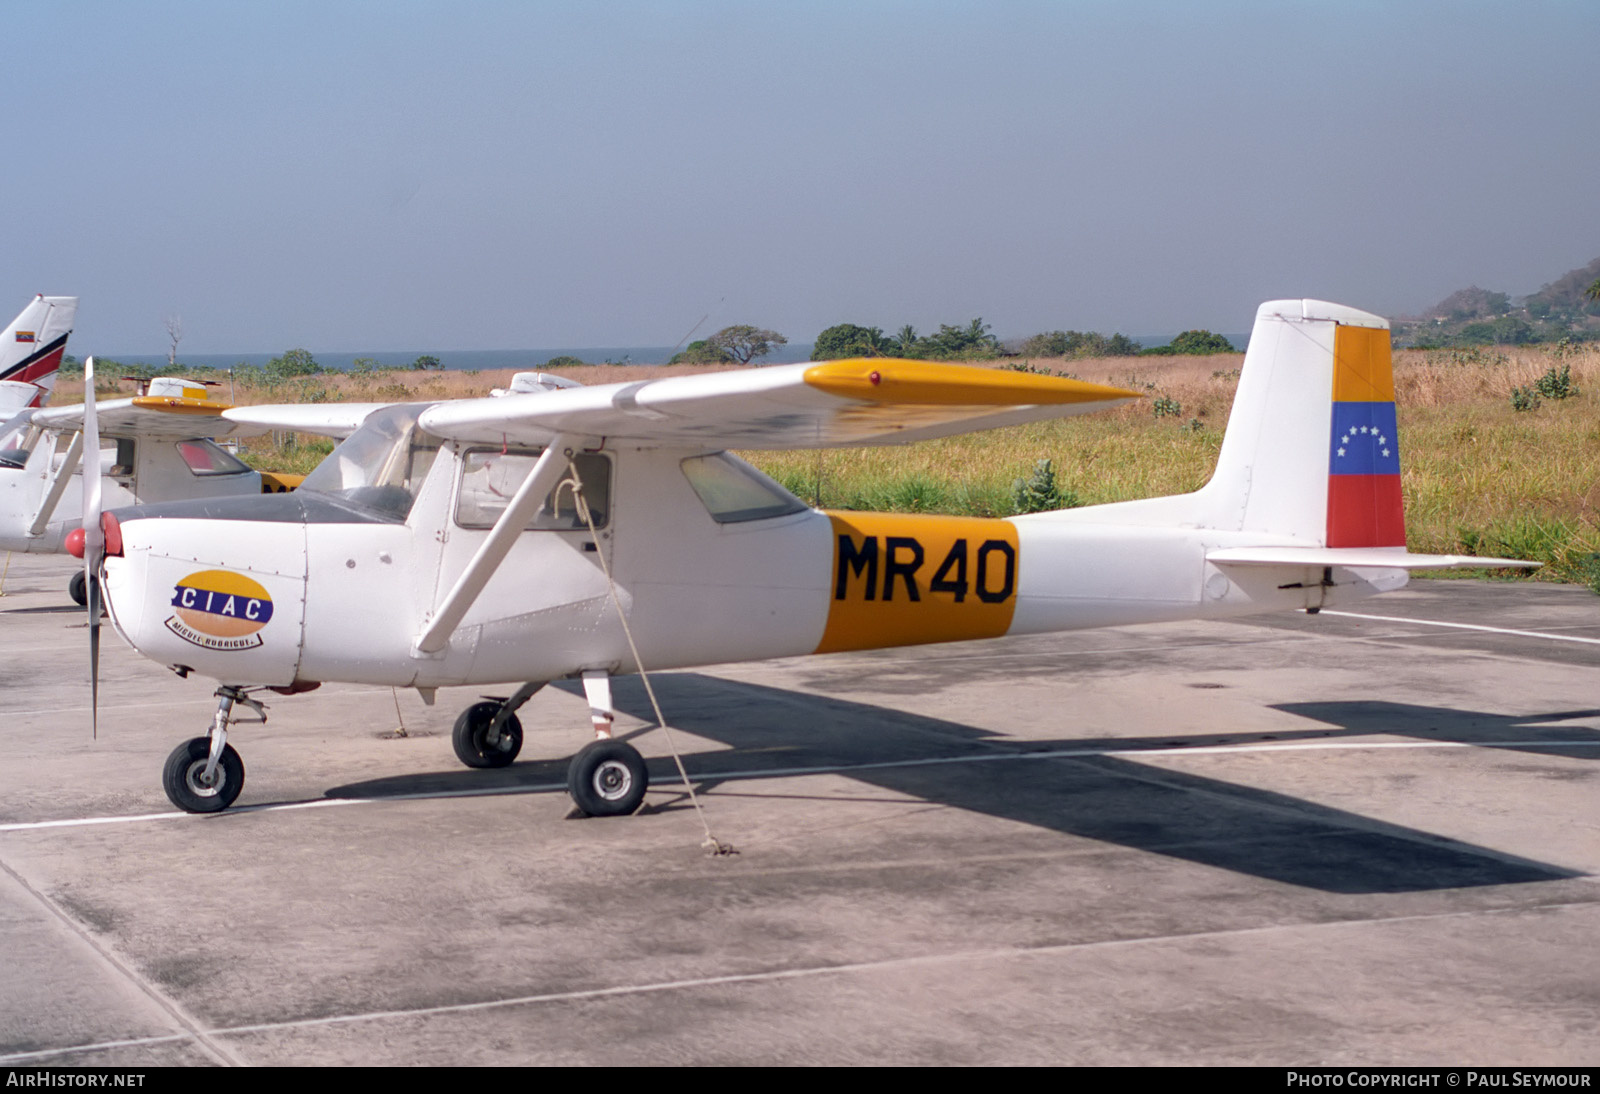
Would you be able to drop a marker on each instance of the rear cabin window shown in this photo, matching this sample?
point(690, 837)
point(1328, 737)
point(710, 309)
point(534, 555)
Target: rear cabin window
point(733, 492)
point(209, 458)
point(490, 478)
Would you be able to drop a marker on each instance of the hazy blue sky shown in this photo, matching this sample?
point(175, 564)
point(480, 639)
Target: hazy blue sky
point(364, 176)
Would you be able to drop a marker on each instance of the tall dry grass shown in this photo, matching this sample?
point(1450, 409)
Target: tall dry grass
point(1478, 476)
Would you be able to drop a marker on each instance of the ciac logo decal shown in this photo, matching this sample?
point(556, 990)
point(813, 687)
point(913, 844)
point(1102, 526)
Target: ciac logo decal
point(220, 610)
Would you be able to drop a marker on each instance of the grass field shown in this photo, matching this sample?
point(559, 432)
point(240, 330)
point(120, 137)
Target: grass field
point(1478, 476)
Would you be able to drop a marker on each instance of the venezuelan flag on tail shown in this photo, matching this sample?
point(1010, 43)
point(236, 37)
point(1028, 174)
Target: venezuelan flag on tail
point(31, 349)
point(1364, 502)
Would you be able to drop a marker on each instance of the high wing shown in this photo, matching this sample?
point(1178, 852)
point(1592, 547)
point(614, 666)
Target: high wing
point(179, 417)
point(863, 401)
point(323, 419)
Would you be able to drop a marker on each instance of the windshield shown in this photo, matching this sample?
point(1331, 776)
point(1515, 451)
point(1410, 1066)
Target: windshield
point(380, 466)
point(15, 443)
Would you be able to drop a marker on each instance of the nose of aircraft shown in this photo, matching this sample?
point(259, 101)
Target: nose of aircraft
point(223, 596)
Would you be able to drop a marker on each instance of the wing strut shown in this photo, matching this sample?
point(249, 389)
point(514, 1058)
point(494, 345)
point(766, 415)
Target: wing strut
point(58, 485)
point(541, 480)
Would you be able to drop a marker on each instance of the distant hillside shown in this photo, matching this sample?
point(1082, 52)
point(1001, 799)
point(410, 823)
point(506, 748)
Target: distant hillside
point(1475, 317)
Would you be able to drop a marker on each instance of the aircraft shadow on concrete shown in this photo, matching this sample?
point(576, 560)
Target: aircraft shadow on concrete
point(1111, 799)
point(1510, 732)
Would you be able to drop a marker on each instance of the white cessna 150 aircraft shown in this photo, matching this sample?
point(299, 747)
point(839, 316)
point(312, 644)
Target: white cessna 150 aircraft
point(591, 531)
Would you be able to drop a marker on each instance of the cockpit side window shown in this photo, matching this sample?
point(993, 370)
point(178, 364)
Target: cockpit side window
point(733, 492)
point(491, 477)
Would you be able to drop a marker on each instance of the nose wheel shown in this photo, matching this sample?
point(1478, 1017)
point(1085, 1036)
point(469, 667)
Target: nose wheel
point(205, 774)
point(78, 589)
point(191, 788)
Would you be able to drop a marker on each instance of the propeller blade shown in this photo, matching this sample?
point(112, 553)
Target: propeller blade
point(93, 589)
point(94, 540)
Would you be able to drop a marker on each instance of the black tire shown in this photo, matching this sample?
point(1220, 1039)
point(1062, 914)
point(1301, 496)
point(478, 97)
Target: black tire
point(181, 778)
point(77, 588)
point(470, 737)
point(608, 779)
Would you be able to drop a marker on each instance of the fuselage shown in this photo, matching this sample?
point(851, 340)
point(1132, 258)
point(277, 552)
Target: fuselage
point(708, 561)
point(41, 479)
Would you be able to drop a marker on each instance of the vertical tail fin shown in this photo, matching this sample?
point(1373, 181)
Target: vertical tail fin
point(31, 350)
point(1311, 450)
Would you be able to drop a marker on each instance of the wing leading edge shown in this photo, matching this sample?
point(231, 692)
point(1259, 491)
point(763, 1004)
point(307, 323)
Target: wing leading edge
point(863, 401)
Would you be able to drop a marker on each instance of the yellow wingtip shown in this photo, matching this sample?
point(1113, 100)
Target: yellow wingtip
point(893, 380)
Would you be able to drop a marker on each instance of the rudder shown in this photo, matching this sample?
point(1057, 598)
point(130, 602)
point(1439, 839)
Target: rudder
point(1311, 450)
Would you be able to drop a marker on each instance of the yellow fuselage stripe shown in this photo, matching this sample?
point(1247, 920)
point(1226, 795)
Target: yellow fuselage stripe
point(903, 580)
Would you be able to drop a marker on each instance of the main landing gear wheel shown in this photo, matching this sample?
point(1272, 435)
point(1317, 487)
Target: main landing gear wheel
point(608, 779)
point(185, 777)
point(471, 737)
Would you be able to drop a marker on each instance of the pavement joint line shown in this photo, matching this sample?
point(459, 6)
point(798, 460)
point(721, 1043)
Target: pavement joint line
point(105, 709)
point(1464, 627)
point(175, 1012)
point(776, 975)
point(821, 769)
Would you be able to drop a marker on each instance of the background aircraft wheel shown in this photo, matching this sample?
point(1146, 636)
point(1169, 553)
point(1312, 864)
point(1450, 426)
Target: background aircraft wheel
point(608, 779)
point(77, 588)
point(471, 733)
point(185, 774)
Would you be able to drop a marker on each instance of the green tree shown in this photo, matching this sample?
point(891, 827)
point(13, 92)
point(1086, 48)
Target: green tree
point(744, 343)
point(565, 360)
point(701, 353)
point(1055, 343)
point(848, 340)
point(1201, 341)
point(960, 343)
point(294, 362)
point(1593, 291)
point(364, 366)
point(906, 342)
point(428, 361)
point(1072, 343)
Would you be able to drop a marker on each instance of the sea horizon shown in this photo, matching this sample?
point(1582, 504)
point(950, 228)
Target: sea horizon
point(522, 360)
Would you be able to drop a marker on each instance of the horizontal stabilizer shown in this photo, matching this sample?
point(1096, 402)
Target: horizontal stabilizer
point(1397, 558)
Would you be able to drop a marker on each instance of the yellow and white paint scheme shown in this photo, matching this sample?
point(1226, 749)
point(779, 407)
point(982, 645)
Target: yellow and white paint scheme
point(442, 545)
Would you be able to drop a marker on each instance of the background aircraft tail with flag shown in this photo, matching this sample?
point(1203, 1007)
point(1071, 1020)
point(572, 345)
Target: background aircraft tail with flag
point(31, 350)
